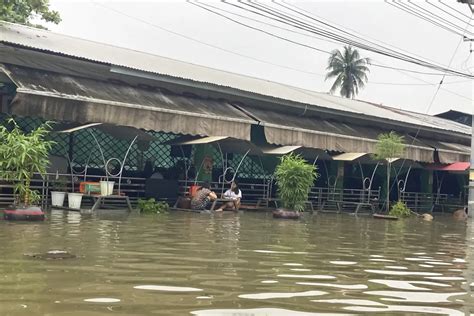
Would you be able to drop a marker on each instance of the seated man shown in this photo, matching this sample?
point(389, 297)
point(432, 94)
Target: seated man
point(233, 194)
point(203, 197)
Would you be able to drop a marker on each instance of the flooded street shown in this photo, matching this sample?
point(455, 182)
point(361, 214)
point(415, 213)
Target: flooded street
point(235, 264)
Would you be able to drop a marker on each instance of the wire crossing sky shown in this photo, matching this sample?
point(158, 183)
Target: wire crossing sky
point(289, 41)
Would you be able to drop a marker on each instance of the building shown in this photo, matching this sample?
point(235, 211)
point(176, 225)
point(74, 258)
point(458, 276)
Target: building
point(57, 77)
point(457, 116)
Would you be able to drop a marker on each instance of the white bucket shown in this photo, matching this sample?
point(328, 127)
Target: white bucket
point(106, 187)
point(74, 200)
point(57, 198)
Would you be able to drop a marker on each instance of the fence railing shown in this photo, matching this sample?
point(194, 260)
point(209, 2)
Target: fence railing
point(252, 191)
point(134, 188)
point(429, 201)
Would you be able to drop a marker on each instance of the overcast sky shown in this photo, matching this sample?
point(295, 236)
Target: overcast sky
point(139, 25)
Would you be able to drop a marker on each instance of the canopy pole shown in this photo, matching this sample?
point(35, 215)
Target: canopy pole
point(471, 176)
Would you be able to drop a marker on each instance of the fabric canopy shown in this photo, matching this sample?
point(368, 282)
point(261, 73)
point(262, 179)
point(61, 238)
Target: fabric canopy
point(328, 134)
point(457, 166)
point(118, 132)
point(61, 97)
point(225, 144)
point(349, 156)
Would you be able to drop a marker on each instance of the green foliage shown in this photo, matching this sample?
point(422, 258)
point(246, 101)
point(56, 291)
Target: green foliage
point(389, 145)
point(400, 209)
point(60, 185)
point(23, 11)
point(150, 206)
point(349, 70)
point(294, 178)
point(21, 155)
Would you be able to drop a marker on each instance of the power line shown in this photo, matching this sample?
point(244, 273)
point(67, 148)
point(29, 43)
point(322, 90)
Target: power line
point(450, 7)
point(266, 23)
point(399, 6)
point(384, 51)
point(435, 94)
point(437, 17)
point(263, 61)
point(236, 53)
point(204, 43)
point(446, 12)
point(310, 16)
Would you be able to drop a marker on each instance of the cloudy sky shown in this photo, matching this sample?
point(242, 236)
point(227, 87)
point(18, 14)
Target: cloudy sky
point(183, 31)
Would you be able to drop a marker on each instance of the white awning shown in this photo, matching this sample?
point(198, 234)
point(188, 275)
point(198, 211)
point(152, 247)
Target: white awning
point(349, 156)
point(281, 150)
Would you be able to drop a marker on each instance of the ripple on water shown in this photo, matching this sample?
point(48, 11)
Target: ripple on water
point(300, 270)
point(337, 286)
point(436, 263)
point(350, 302)
point(425, 265)
point(293, 264)
point(166, 288)
point(389, 272)
point(260, 312)
point(271, 251)
point(381, 260)
point(446, 278)
point(343, 263)
point(396, 267)
point(421, 297)
point(102, 300)
point(308, 276)
point(266, 296)
point(411, 309)
point(408, 285)
point(269, 281)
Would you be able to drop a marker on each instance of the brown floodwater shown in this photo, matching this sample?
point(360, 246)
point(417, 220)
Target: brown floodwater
point(235, 264)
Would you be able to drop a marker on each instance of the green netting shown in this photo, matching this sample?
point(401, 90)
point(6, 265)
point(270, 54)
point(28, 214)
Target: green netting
point(84, 150)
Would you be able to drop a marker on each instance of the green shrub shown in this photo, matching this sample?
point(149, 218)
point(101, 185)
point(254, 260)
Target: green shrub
point(400, 209)
point(150, 206)
point(22, 154)
point(294, 178)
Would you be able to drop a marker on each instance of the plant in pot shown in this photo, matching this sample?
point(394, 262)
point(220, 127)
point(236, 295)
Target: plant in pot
point(58, 193)
point(21, 156)
point(294, 177)
point(389, 148)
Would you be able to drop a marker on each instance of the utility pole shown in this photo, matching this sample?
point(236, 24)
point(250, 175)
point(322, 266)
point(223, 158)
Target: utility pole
point(470, 202)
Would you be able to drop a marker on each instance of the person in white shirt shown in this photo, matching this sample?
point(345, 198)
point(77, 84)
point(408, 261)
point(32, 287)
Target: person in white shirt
point(235, 195)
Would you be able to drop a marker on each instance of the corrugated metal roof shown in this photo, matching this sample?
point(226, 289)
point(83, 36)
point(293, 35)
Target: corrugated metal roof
point(204, 76)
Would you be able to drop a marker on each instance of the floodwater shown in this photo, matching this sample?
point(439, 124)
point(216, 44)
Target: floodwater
point(236, 264)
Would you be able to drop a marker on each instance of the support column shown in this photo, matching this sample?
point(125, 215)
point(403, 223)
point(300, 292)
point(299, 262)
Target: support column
point(426, 181)
point(471, 176)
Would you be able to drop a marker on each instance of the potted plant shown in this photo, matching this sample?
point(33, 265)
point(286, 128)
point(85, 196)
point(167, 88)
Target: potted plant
point(389, 148)
point(21, 156)
point(59, 191)
point(294, 177)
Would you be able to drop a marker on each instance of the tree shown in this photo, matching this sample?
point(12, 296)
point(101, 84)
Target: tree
point(389, 147)
point(349, 70)
point(23, 11)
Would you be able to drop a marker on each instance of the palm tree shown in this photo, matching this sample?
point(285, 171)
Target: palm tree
point(350, 71)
